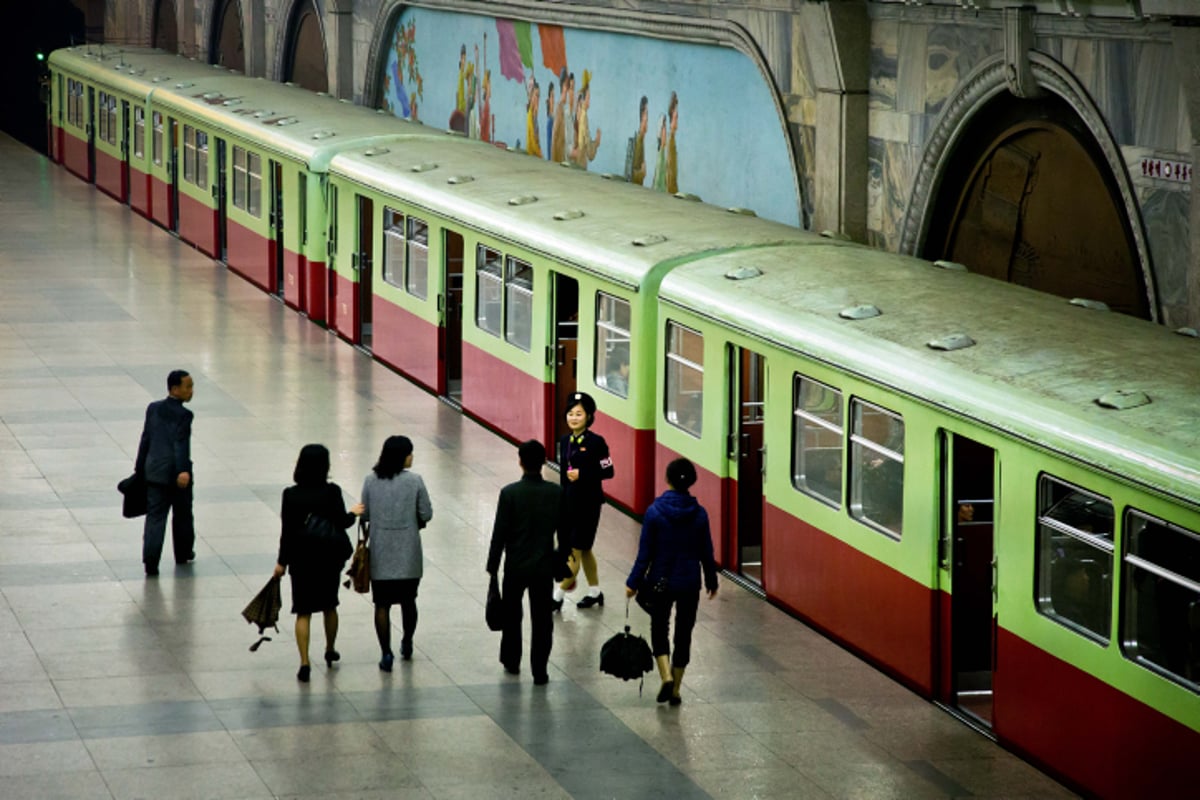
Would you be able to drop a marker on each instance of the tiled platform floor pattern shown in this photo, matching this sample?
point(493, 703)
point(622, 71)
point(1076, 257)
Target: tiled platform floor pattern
point(115, 686)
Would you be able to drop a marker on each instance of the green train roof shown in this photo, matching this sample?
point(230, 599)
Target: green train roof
point(611, 228)
point(1037, 368)
point(288, 120)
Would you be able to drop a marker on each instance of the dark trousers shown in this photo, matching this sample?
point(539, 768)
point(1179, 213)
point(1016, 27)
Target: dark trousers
point(541, 620)
point(161, 499)
point(686, 603)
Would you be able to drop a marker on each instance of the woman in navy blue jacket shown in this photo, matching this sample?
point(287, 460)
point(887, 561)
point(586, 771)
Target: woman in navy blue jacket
point(674, 549)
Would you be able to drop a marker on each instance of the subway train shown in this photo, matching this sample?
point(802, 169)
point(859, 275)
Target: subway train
point(991, 493)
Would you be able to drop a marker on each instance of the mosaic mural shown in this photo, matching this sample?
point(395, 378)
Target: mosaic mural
point(668, 116)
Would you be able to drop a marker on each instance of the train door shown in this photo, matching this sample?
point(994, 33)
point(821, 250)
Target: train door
point(331, 257)
point(222, 203)
point(566, 344)
point(277, 277)
point(452, 316)
point(746, 453)
point(173, 170)
point(91, 134)
point(967, 559)
point(363, 268)
point(56, 130)
point(126, 119)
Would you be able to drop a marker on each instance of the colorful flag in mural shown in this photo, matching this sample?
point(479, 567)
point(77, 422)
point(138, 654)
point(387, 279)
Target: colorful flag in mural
point(554, 49)
point(516, 50)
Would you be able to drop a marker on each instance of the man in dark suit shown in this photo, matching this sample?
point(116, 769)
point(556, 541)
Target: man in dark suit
point(527, 520)
point(164, 460)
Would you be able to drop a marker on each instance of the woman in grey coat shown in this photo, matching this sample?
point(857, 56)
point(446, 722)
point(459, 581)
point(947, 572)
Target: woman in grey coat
point(396, 503)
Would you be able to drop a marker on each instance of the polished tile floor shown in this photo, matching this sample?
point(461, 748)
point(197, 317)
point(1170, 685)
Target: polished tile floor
point(115, 686)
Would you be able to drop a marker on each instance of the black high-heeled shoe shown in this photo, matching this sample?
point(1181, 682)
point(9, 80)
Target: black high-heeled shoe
point(386, 662)
point(590, 601)
point(332, 656)
point(556, 605)
point(305, 671)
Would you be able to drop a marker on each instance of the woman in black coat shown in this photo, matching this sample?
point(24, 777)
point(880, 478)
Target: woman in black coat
point(675, 548)
point(314, 547)
point(583, 463)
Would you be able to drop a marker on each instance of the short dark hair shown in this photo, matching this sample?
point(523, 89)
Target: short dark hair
point(396, 450)
point(681, 474)
point(312, 467)
point(532, 455)
point(589, 405)
point(175, 378)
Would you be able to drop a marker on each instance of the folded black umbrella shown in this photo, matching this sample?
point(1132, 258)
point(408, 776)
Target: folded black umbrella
point(263, 611)
point(134, 490)
point(626, 656)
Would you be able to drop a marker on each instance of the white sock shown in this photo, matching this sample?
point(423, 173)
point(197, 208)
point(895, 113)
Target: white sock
point(593, 591)
point(559, 594)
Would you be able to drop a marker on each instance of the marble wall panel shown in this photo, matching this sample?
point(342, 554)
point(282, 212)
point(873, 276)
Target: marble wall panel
point(884, 64)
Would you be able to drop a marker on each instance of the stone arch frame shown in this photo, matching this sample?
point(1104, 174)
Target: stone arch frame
point(988, 79)
point(211, 30)
point(287, 12)
point(635, 23)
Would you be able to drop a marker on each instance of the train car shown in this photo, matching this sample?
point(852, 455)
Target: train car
point(991, 493)
point(236, 165)
point(506, 283)
point(100, 118)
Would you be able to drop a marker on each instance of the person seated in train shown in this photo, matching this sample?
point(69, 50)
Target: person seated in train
point(617, 379)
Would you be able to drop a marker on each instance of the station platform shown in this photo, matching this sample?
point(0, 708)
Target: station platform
point(114, 685)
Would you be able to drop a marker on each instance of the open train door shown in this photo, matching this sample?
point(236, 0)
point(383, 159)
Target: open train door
point(221, 194)
point(566, 344)
point(173, 170)
point(450, 380)
point(277, 278)
point(746, 453)
point(363, 267)
point(126, 127)
point(91, 134)
point(967, 559)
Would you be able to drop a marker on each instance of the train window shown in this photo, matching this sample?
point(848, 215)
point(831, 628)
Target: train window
point(393, 246)
point(518, 303)
point(253, 182)
point(1075, 557)
point(156, 146)
point(1162, 596)
point(684, 381)
point(239, 177)
point(139, 133)
point(111, 112)
point(416, 280)
point(189, 154)
point(817, 440)
point(877, 467)
point(102, 117)
point(489, 289)
point(613, 321)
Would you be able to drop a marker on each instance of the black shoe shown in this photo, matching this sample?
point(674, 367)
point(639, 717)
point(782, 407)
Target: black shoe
point(332, 656)
point(590, 601)
point(675, 700)
point(667, 690)
point(406, 649)
point(385, 663)
point(511, 669)
point(541, 680)
point(303, 674)
point(187, 559)
point(151, 572)
point(555, 605)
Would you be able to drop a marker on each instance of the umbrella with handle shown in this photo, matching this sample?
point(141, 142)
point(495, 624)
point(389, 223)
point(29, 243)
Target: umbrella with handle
point(263, 611)
point(626, 656)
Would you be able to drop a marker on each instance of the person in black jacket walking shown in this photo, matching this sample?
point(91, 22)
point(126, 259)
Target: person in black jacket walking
point(164, 461)
point(584, 463)
point(527, 517)
point(314, 553)
point(674, 548)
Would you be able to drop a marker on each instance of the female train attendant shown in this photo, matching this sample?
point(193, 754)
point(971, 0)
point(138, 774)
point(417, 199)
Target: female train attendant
point(674, 550)
point(313, 546)
point(584, 462)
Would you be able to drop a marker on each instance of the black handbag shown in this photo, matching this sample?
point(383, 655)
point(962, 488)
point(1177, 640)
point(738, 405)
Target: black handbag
point(494, 610)
point(652, 594)
point(133, 489)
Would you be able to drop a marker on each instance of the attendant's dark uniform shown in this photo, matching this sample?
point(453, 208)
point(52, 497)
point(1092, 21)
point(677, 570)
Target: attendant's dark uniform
point(527, 516)
point(582, 498)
